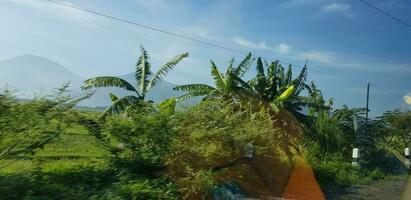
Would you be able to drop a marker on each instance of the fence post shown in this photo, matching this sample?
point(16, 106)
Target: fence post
point(407, 161)
point(249, 151)
point(355, 156)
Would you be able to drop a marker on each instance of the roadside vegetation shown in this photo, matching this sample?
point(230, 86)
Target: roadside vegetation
point(138, 149)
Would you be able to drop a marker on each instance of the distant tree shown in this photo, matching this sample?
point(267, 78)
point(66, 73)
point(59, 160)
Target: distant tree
point(145, 81)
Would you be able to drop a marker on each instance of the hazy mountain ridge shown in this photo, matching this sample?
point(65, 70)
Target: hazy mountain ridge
point(29, 75)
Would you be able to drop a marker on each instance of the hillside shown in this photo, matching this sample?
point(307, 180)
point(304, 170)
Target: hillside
point(28, 75)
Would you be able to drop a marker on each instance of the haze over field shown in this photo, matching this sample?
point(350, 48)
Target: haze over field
point(26, 75)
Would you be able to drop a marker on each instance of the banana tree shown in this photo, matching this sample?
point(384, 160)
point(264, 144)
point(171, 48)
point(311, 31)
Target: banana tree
point(226, 85)
point(275, 86)
point(145, 78)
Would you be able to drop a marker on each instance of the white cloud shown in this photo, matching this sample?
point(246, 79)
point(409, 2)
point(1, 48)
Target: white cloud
point(324, 57)
point(318, 56)
point(283, 48)
point(407, 99)
point(291, 3)
point(199, 32)
point(250, 44)
point(328, 58)
point(337, 7)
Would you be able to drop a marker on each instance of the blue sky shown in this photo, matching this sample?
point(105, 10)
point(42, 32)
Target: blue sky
point(341, 37)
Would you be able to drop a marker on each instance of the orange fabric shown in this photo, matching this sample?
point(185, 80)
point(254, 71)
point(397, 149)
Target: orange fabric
point(302, 184)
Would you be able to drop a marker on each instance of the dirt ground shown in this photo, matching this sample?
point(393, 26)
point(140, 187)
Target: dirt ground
point(390, 189)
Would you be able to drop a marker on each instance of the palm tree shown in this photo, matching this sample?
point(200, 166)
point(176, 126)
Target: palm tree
point(226, 85)
point(145, 81)
point(276, 87)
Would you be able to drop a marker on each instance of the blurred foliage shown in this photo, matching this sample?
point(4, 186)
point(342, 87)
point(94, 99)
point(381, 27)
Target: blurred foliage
point(393, 128)
point(49, 150)
point(330, 138)
point(28, 126)
point(210, 145)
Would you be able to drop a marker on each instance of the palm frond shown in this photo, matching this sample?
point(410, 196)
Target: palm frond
point(217, 76)
point(260, 67)
point(164, 70)
point(119, 106)
point(194, 90)
point(108, 81)
point(113, 97)
point(281, 76)
point(244, 65)
point(310, 102)
point(194, 87)
point(191, 95)
point(300, 80)
point(143, 71)
point(272, 70)
point(243, 84)
point(243, 92)
point(230, 64)
point(288, 75)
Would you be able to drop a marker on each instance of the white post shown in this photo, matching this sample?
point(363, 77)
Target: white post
point(355, 156)
point(249, 151)
point(120, 146)
point(407, 157)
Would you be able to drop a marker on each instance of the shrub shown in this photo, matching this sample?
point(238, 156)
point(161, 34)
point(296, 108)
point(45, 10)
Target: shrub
point(27, 126)
point(209, 149)
point(140, 140)
point(139, 188)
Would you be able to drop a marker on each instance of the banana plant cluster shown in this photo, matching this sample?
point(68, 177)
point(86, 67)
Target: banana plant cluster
point(273, 86)
point(226, 85)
